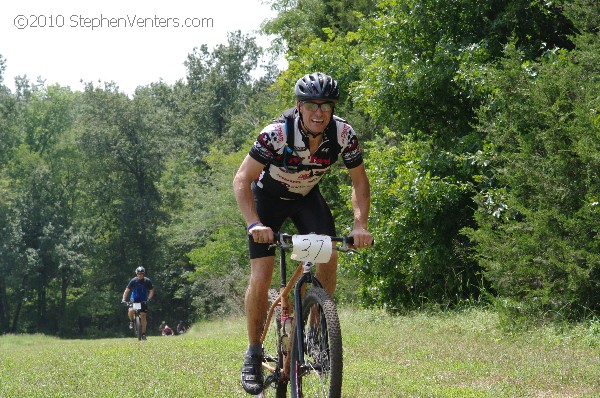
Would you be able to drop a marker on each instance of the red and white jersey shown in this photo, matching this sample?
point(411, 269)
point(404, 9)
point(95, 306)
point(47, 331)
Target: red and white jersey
point(291, 173)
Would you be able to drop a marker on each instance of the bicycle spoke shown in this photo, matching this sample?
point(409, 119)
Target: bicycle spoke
point(320, 373)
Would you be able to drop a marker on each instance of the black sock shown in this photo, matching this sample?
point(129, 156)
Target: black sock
point(254, 349)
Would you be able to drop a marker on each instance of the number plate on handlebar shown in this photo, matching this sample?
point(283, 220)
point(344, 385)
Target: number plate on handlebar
point(314, 248)
point(137, 306)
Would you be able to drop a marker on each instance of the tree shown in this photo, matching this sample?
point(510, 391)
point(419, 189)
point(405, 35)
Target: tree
point(219, 85)
point(123, 140)
point(299, 22)
point(9, 133)
point(537, 234)
point(414, 67)
point(221, 262)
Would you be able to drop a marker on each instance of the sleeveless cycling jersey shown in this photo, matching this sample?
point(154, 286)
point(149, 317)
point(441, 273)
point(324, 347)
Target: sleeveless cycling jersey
point(291, 173)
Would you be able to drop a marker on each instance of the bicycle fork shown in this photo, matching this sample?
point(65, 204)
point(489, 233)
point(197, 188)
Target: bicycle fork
point(307, 277)
point(286, 320)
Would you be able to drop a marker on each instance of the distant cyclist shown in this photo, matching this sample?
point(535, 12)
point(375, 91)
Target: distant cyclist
point(142, 291)
point(181, 328)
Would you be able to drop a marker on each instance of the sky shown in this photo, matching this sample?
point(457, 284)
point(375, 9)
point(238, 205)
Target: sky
point(130, 42)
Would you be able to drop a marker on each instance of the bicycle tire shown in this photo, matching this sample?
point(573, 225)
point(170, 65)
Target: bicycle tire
point(321, 373)
point(273, 354)
point(138, 327)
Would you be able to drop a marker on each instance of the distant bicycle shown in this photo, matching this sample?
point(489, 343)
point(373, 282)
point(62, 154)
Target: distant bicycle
point(137, 317)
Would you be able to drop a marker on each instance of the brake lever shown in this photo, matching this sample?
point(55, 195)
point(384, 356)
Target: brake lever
point(346, 249)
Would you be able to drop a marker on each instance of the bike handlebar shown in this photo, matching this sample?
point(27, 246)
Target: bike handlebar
point(281, 237)
point(129, 303)
point(284, 241)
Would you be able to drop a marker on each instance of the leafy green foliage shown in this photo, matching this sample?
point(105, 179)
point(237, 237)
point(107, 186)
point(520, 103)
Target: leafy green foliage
point(299, 22)
point(219, 84)
point(538, 222)
point(479, 124)
point(418, 258)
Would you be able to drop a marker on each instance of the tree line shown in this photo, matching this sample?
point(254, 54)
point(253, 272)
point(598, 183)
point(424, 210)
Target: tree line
point(480, 123)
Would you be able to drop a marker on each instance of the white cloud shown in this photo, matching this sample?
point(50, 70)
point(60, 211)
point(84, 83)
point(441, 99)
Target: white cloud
point(130, 42)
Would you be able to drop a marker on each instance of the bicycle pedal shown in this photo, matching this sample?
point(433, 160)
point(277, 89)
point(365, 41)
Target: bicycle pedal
point(269, 380)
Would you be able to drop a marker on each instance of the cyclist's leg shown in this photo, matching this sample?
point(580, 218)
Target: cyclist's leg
point(272, 213)
point(144, 316)
point(144, 321)
point(327, 273)
point(256, 300)
point(130, 313)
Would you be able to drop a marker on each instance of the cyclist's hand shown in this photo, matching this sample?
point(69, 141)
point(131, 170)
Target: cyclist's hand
point(261, 234)
point(362, 238)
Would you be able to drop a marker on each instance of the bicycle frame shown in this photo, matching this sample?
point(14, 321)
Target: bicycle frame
point(301, 277)
point(137, 314)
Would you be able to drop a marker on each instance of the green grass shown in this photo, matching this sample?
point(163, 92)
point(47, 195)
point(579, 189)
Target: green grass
point(443, 355)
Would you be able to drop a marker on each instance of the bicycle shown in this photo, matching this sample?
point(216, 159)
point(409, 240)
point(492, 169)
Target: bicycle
point(137, 318)
point(303, 347)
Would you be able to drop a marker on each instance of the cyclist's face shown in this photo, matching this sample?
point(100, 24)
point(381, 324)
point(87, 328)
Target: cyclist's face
point(314, 117)
point(140, 275)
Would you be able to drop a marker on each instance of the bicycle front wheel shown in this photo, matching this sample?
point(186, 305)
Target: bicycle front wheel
point(138, 327)
point(320, 374)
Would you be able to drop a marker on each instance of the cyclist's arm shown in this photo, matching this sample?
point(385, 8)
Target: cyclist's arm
point(248, 171)
point(361, 203)
point(150, 294)
point(126, 294)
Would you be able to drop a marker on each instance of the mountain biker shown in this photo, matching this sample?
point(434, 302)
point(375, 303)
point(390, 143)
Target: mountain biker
point(278, 180)
point(167, 331)
point(142, 291)
point(181, 327)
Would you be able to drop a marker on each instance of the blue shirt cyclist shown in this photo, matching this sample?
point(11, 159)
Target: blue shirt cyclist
point(142, 291)
point(140, 288)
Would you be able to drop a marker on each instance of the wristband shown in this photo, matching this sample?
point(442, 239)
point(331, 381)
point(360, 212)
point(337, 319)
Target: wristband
point(254, 224)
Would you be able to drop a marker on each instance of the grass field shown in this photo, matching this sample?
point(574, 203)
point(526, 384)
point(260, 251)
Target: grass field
point(443, 355)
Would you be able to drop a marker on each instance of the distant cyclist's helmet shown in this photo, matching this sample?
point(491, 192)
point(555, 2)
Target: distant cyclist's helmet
point(140, 269)
point(317, 86)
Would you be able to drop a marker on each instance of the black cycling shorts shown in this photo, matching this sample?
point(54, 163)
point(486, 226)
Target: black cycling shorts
point(309, 214)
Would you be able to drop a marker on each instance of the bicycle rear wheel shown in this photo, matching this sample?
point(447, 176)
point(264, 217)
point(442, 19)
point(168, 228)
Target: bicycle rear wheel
point(137, 326)
point(276, 387)
point(320, 374)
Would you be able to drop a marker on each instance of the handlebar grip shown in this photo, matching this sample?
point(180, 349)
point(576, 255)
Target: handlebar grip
point(350, 240)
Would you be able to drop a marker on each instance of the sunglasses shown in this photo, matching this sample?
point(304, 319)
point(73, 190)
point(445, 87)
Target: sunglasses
point(313, 106)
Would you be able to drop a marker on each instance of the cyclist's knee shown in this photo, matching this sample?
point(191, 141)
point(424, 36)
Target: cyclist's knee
point(261, 269)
